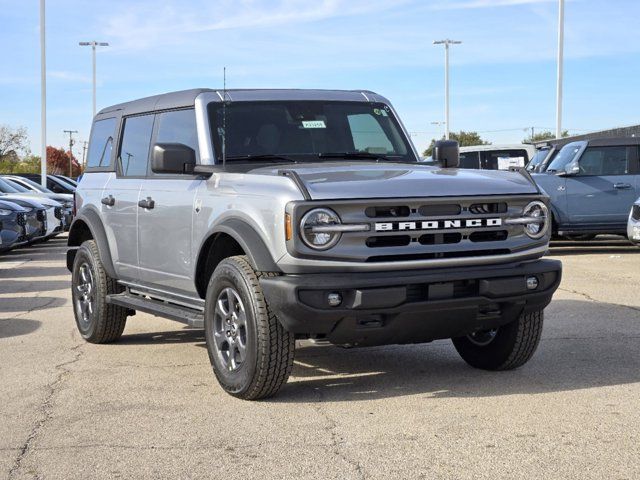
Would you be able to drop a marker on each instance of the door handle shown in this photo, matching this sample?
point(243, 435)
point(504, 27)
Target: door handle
point(147, 203)
point(109, 201)
point(621, 186)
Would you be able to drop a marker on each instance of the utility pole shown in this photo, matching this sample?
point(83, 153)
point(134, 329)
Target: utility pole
point(43, 98)
point(446, 44)
point(93, 44)
point(560, 61)
point(84, 153)
point(71, 142)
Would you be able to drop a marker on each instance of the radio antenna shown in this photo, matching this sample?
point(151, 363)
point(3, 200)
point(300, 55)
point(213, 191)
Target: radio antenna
point(224, 117)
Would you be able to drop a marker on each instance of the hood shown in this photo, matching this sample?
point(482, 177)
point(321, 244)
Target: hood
point(23, 201)
point(41, 197)
point(14, 207)
point(350, 180)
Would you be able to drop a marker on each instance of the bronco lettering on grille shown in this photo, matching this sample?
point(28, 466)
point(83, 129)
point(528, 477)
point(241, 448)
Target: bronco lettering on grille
point(438, 224)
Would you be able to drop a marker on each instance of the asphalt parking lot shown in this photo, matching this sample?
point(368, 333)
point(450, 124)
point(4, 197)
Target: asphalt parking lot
point(149, 407)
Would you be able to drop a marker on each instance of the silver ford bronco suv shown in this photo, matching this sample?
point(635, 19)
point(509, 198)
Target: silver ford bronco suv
point(266, 216)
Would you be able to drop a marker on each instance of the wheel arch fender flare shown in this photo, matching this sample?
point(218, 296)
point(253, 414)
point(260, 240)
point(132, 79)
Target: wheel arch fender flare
point(249, 239)
point(90, 219)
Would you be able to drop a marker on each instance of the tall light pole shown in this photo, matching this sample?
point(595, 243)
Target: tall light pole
point(93, 46)
point(446, 44)
point(43, 98)
point(71, 142)
point(560, 61)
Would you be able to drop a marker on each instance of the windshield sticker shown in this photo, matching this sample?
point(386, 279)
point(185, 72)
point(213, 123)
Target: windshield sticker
point(313, 124)
point(379, 111)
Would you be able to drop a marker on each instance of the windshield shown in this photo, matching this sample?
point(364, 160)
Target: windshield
point(303, 131)
point(5, 187)
point(36, 186)
point(538, 158)
point(565, 157)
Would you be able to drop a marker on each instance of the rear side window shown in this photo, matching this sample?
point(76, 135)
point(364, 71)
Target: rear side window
point(606, 160)
point(101, 143)
point(178, 126)
point(134, 149)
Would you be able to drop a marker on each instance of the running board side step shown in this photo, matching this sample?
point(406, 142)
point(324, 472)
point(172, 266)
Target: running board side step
point(189, 316)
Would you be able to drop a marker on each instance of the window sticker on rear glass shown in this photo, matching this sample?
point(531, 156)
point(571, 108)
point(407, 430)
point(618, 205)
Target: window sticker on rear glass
point(313, 124)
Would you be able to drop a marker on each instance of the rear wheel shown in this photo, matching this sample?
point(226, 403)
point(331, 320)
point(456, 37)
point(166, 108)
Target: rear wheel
point(250, 352)
point(503, 348)
point(97, 320)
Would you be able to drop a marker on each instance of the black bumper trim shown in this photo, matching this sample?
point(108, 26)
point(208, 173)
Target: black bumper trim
point(375, 310)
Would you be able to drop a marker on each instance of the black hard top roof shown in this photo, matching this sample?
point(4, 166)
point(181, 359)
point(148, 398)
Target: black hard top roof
point(186, 98)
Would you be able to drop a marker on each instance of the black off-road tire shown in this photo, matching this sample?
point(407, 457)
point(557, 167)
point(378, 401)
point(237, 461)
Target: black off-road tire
point(269, 347)
point(512, 346)
point(107, 322)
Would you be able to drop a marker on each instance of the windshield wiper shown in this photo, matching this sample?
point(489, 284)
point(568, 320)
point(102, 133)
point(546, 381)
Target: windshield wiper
point(356, 155)
point(364, 156)
point(264, 156)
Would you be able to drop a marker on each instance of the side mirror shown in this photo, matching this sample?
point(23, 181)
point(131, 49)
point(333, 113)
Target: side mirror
point(172, 158)
point(569, 171)
point(446, 153)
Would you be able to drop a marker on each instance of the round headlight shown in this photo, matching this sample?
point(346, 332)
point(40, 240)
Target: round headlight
point(311, 227)
point(538, 211)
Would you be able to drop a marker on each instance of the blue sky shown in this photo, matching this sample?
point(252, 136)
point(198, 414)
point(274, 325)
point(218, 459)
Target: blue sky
point(502, 76)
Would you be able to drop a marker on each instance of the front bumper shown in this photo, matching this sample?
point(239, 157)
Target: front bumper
point(410, 306)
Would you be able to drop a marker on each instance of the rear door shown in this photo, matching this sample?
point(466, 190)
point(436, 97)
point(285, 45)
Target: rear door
point(164, 247)
point(605, 187)
point(121, 193)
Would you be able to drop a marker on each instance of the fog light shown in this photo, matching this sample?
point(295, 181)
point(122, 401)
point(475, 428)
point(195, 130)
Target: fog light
point(532, 283)
point(334, 299)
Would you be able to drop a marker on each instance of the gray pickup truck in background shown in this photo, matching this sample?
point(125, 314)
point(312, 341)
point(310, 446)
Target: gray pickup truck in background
point(267, 216)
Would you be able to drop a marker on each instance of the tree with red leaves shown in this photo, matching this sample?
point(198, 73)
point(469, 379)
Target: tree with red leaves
point(58, 162)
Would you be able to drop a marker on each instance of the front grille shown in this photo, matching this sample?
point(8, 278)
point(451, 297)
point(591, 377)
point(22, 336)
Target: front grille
point(635, 212)
point(422, 228)
point(22, 219)
point(41, 215)
point(58, 212)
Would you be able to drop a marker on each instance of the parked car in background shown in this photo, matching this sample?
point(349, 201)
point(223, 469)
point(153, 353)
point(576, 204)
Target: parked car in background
point(54, 184)
point(27, 186)
point(13, 219)
point(69, 180)
point(633, 225)
point(37, 228)
point(592, 185)
point(496, 157)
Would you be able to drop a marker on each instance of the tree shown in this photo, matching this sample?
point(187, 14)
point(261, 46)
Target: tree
point(464, 139)
point(13, 142)
point(542, 136)
point(58, 162)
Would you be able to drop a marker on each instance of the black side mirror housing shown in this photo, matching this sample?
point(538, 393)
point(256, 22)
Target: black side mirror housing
point(172, 158)
point(446, 153)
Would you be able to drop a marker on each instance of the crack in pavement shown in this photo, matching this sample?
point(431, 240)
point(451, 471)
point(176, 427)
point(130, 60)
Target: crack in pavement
point(45, 410)
point(336, 440)
point(590, 298)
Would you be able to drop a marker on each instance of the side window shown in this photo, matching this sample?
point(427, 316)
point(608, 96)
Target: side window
point(178, 127)
point(368, 135)
point(101, 143)
point(134, 148)
point(600, 161)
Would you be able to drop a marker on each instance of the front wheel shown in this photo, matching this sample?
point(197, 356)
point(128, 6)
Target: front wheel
point(504, 348)
point(250, 351)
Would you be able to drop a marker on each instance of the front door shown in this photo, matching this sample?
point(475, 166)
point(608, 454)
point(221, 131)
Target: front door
point(604, 189)
point(121, 195)
point(165, 243)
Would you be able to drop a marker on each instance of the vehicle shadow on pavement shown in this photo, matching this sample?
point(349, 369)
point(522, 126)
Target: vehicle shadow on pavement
point(17, 286)
point(29, 304)
point(24, 271)
point(14, 327)
point(584, 345)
